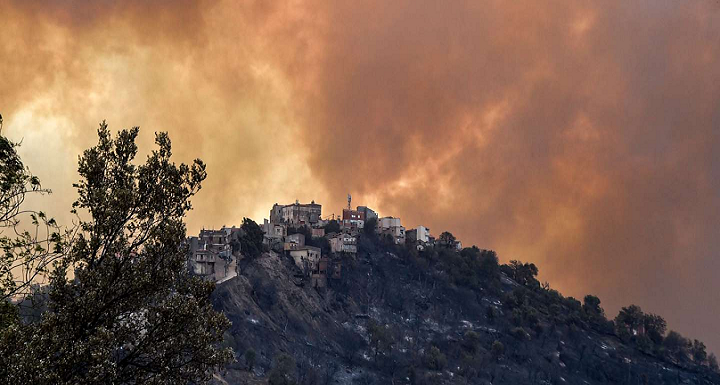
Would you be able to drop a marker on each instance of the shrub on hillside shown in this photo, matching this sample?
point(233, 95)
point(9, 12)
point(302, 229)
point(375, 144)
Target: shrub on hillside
point(435, 359)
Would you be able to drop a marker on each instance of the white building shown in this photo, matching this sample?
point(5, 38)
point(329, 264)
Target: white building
point(306, 258)
point(385, 223)
point(423, 234)
point(343, 243)
point(393, 227)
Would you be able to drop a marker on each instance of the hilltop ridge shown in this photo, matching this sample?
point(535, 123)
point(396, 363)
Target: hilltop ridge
point(436, 315)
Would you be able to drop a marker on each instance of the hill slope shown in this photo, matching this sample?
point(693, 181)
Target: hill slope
point(396, 317)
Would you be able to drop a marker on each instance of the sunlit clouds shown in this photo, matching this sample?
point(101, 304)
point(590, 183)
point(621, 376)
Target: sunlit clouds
point(582, 137)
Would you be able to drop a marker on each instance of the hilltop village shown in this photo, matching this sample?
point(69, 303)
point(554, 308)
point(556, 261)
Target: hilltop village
point(317, 245)
point(360, 299)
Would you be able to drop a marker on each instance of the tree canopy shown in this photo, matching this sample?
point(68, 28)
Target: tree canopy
point(369, 227)
point(36, 240)
point(447, 239)
point(523, 273)
point(122, 307)
point(251, 240)
point(332, 226)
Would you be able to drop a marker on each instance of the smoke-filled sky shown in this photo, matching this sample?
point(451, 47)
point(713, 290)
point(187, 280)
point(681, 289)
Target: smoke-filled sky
point(581, 136)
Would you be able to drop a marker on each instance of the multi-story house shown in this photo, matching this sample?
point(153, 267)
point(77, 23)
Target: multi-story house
point(318, 278)
point(211, 253)
point(367, 212)
point(318, 232)
point(306, 258)
point(294, 242)
point(343, 243)
point(392, 227)
point(274, 232)
point(353, 219)
point(296, 214)
point(420, 234)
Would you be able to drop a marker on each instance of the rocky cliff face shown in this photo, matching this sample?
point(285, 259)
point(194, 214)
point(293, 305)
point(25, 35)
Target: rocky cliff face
point(390, 321)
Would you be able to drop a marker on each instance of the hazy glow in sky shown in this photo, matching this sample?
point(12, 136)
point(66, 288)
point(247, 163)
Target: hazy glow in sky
point(583, 137)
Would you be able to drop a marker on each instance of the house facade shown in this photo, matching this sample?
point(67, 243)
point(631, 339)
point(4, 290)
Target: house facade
point(317, 232)
point(306, 258)
point(274, 230)
point(420, 234)
point(318, 278)
point(367, 212)
point(211, 255)
point(294, 241)
point(353, 219)
point(343, 243)
point(392, 226)
point(296, 214)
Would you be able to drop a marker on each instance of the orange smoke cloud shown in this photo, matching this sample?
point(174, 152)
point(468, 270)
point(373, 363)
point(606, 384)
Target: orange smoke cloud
point(582, 137)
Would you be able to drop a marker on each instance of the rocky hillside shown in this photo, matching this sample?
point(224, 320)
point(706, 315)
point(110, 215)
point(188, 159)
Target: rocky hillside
point(401, 317)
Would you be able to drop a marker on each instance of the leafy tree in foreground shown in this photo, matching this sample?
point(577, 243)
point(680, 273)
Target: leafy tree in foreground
point(35, 240)
point(122, 306)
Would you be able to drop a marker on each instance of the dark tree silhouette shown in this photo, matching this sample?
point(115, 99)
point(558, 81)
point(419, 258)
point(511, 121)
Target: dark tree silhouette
point(332, 227)
point(132, 313)
point(447, 239)
point(251, 240)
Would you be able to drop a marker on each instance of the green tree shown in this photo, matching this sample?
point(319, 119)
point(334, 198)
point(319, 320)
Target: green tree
point(320, 242)
point(523, 273)
point(132, 313)
point(591, 306)
point(369, 228)
point(520, 334)
point(332, 226)
point(712, 362)
point(36, 242)
point(250, 358)
point(435, 359)
point(676, 345)
point(628, 321)
point(380, 339)
point(698, 352)
point(447, 239)
point(471, 341)
point(283, 372)
point(251, 240)
point(655, 327)
point(488, 265)
point(497, 350)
